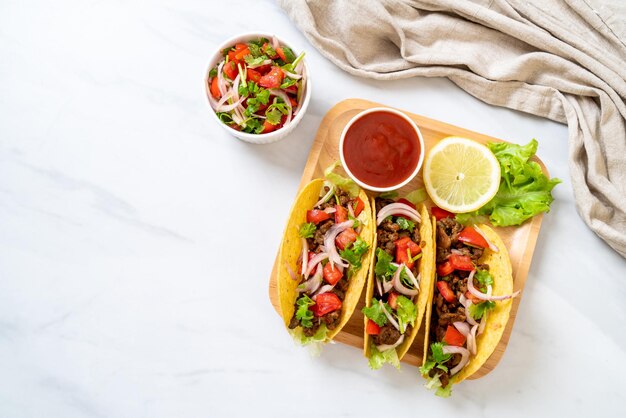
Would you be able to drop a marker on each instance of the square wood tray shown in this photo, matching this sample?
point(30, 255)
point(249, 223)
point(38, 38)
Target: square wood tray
point(520, 241)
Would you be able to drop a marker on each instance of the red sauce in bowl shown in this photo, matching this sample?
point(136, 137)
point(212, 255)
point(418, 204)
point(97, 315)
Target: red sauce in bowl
point(381, 149)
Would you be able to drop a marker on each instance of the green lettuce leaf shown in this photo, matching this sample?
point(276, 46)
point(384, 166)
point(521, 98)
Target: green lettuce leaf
point(524, 190)
point(417, 196)
point(315, 342)
point(389, 195)
point(377, 359)
point(375, 312)
point(341, 182)
point(303, 313)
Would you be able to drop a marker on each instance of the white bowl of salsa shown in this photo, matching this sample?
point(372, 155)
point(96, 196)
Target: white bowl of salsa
point(381, 149)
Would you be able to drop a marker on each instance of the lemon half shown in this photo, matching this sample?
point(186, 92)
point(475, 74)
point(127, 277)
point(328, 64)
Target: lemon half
point(461, 175)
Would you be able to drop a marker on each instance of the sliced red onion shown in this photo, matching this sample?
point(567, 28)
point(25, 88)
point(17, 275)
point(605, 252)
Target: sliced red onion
point(351, 211)
point(463, 300)
point(301, 90)
point(389, 316)
point(492, 246)
point(330, 210)
point(483, 323)
point(290, 271)
point(305, 255)
point(387, 285)
point(266, 62)
point(220, 79)
point(455, 251)
point(397, 209)
point(483, 296)
point(324, 289)
point(227, 96)
point(311, 285)
point(471, 340)
point(401, 288)
point(236, 87)
point(231, 106)
point(283, 95)
point(462, 327)
point(292, 75)
point(380, 287)
point(275, 43)
point(324, 199)
point(315, 260)
point(385, 347)
point(329, 242)
point(451, 349)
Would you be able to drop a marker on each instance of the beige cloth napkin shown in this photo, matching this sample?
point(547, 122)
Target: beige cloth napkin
point(560, 59)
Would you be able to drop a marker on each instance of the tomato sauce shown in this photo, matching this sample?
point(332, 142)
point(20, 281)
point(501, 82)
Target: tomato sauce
point(381, 149)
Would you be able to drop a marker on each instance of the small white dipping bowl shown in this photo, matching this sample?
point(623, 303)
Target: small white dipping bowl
point(270, 137)
point(359, 181)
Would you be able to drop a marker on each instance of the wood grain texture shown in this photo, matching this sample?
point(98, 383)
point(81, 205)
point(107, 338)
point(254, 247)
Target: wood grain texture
point(520, 241)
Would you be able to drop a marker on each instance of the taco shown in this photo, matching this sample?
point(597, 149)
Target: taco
point(399, 283)
point(323, 258)
point(470, 305)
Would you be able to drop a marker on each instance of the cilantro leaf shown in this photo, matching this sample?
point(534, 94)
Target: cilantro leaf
point(383, 267)
point(354, 253)
point(225, 117)
point(287, 82)
point(250, 60)
point(213, 73)
point(269, 50)
point(307, 230)
point(274, 112)
point(253, 125)
point(477, 311)
point(483, 278)
point(289, 55)
point(437, 353)
point(304, 314)
point(405, 224)
point(375, 312)
point(377, 359)
point(406, 311)
point(255, 50)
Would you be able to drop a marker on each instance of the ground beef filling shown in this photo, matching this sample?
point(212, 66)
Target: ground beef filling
point(446, 313)
point(388, 232)
point(331, 319)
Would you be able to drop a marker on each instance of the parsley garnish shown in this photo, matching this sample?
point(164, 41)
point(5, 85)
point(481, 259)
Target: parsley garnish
point(307, 230)
point(274, 112)
point(405, 224)
point(477, 311)
point(213, 73)
point(304, 314)
point(383, 266)
point(375, 312)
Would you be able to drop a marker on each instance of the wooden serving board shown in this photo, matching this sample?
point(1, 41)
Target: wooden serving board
point(520, 241)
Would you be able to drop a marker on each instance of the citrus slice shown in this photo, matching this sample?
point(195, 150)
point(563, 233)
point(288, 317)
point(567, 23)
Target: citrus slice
point(461, 175)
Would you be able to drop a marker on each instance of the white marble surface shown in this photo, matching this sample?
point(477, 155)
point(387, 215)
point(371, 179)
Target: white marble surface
point(137, 237)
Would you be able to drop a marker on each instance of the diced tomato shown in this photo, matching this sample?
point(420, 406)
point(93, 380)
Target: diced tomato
point(454, 337)
point(268, 127)
point(470, 236)
point(240, 47)
point(293, 102)
point(292, 89)
point(392, 300)
point(444, 269)
point(230, 69)
point(326, 303)
point(474, 299)
point(231, 56)
point(341, 214)
point(346, 238)
point(242, 53)
point(316, 216)
point(406, 202)
point(281, 54)
point(439, 213)
point(403, 246)
point(372, 328)
point(253, 75)
point(215, 90)
point(446, 292)
point(264, 69)
point(332, 274)
point(461, 262)
point(358, 206)
point(273, 79)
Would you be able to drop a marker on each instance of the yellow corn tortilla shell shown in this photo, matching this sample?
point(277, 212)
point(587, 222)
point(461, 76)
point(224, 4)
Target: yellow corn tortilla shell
point(426, 271)
point(291, 248)
point(502, 273)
